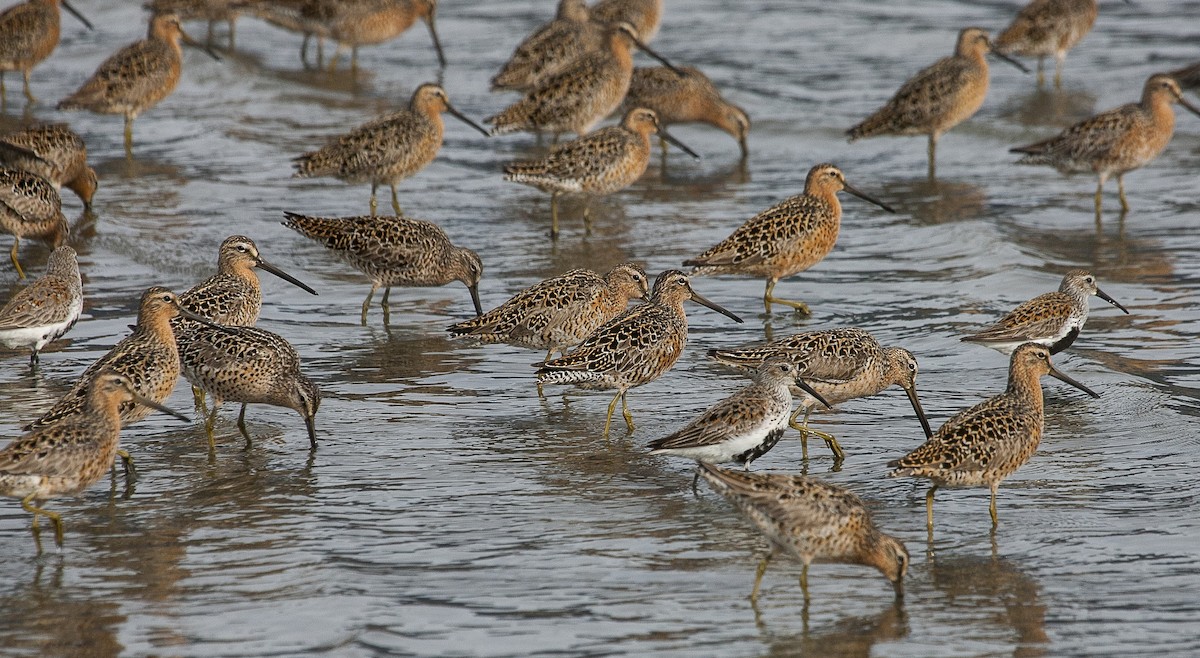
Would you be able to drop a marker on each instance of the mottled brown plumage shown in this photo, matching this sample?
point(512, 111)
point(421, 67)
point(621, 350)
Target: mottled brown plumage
point(632, 349)
point(30, 208)
point(251, 366)
point(786, 238)
point(394, 251)
point(388, 149)
point(29, 32)
point(46, 309)
point(551, 48)
point(67, 457)
point(54, 152)
point(1117, 141)
point(1048, 28)
point(135, 78)
point(599, 163)
point(579, 96)
point(210, 11)
point(561, 311)
point(840, 364)
point(643, 15)
point(937, 98)
point(687, 98)
point(233, 295)
point(987, 443)
point(811, 521)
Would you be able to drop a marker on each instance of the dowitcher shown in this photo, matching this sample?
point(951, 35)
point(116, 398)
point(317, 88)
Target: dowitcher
point(643, 15)
point(812, 521)
point(1053, 319)
point(632, 349)
point(551, 48)
point(685, 98)
point(578, 97)
point(308, 17)
point(558, 313)
point(388, 149)
point(987, 443)
point(394, 251)
point(233, 295)
point(1117, 141)
point(148, 357)
point(938, 97)
point(743, 426)
point(601, 162)
point(30, 208)
point(46, 309)
point(136, 77)
point(1048, 27)
point(67, 457)
point(786, 238)
point(211, 11)
point(54, 152)
point(251, 366)
point(840, 364)
point(28, 34)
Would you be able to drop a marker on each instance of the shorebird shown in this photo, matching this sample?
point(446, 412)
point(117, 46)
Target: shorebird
point(30, 208)
point(643, 15)
point(233, 295)
point(389, 149)
point(632, 349)
point(1117, 141)
point(45, 310)
point(210, 11)
point(685, 98)
point(29, 32)
point(551, 48)
point(1053, 319)
point(786, 238)
point(54, 152)
point(938, 97)
point(394, 251)
point(985, 444)
point(840, 364)
point(812, 521)
point(67, 457)
point(136, 77)
point(1048, 28)
point(602, 162)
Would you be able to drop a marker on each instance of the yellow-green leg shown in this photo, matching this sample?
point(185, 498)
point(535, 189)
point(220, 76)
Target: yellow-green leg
point(28, 93)
point(127, 463)
point(929, 507)
point(396, 202)
point(383, 304)
point(367, 302)
point(1121, 192)
point(804, 582)
point(554, 214)
point(805, 430)
point(28, 506)
point(242, 425)
point(13, 255)
point(612, 406)
point(209, 423)
point(1041, 72)
point(374, 203)
point(933, 137)
point(587, 218)
point(800, 307)
point(625, 412)
point(992, 507)
point(758, 575)
point(198, 399)
point(128, 136)
point(1099, 191)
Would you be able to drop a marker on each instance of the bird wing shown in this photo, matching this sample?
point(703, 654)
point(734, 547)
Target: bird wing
point(1039, 317)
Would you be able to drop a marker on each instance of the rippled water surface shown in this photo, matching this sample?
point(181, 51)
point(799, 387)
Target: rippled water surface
point(449, 511)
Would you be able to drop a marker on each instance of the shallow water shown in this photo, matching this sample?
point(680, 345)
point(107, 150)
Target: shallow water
point(449, 511)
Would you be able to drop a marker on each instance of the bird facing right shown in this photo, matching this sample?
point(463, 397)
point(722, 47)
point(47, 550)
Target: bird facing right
point(983, 445)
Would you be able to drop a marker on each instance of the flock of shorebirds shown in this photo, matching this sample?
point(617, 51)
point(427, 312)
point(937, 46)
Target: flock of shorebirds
point(572, 73)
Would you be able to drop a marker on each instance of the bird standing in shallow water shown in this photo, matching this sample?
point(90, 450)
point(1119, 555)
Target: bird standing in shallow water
point(1117, 141)
point(684, 97)
point(840, 364)
point(632, 349)
point(54, 152)
point(30, 208)
point(786, 238)
point(987, 443)
point(602, 162)
point(1048, 27)
point(551, 48)
point(938, 97)
point(69, 456)
point(394, 251)
point(47, 308)
point(1053, 319)
point(811, 520)
point(29, 32)
point(389, 149)
point(136, 77)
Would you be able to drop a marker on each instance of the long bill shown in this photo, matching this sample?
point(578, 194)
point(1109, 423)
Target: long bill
point(816, 396)
point(1190, 108)
point(462, 117)
point(662, 132)
point(723, 311)
point(437, 43)
point(154, 405)
point(852, 190)
point(1110, 300)
point(997, 53)
point(285, 276)
point(474, 290)
point(183, 312)
point(646, 49)
point(916, 405)
point(75, 12)
point(187, 38)
point(1057, 374)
